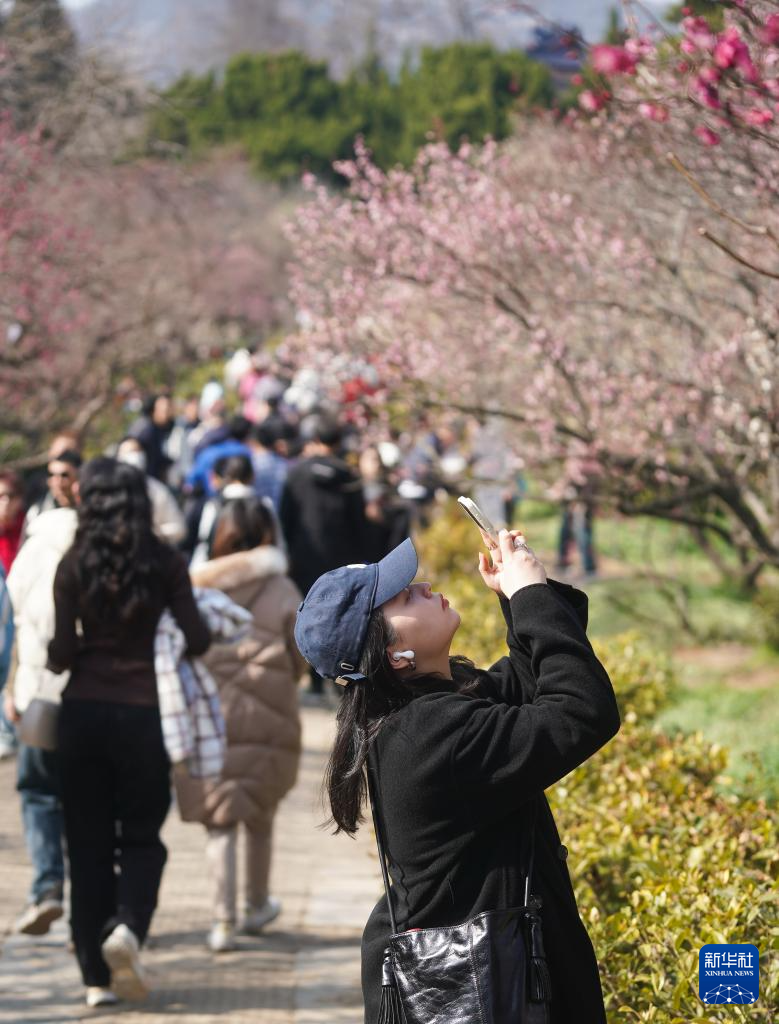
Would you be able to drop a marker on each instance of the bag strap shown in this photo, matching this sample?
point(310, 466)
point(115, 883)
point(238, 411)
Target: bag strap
point(378, 829)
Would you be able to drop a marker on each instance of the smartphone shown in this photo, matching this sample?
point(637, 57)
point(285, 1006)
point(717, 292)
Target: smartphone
point(472, 509)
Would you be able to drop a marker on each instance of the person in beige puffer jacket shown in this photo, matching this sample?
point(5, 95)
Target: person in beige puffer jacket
point(257, 680)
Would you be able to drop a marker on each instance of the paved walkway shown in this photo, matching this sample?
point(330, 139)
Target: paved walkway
point(304, 970)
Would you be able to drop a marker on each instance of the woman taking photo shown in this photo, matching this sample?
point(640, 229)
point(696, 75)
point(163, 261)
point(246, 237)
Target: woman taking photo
point(458, 758)
point(110, 590)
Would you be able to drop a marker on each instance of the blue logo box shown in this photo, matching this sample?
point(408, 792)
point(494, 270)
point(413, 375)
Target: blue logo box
point(728, 973)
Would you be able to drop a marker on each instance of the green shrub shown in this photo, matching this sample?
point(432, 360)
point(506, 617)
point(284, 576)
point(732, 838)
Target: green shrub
point(767, 602)
point(643, 679)
point(662, 863)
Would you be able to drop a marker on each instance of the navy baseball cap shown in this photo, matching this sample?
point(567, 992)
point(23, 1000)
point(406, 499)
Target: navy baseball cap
point(332, 621)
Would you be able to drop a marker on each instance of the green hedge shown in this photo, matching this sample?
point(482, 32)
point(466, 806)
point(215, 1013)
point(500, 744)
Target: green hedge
point(662, 863)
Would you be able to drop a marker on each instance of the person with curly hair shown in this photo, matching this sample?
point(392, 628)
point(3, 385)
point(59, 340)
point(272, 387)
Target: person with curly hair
point(110, 590)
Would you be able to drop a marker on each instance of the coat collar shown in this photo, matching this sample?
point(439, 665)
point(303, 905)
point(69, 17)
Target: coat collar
point(242, 567)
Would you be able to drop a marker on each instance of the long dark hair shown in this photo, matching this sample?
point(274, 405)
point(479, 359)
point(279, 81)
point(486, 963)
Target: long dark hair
point(366, 705)
point(243, 524)
point(116, 549)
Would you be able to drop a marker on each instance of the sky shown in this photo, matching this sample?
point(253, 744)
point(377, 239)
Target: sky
point(606, 4)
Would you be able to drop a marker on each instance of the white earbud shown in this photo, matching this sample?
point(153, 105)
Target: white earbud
point(397, 655)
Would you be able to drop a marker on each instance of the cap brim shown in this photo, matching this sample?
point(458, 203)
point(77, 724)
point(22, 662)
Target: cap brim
point(396, 571)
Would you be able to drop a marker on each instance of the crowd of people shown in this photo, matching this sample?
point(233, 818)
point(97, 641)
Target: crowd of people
point(254, 488)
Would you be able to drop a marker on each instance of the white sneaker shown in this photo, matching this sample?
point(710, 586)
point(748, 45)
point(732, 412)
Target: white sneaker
point(39, 917)
point(120, 952)
point(98, 996)
point(257, 917)
point(221, 938)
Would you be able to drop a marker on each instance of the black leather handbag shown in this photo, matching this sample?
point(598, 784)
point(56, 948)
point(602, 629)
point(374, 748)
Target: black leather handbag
point(490, 969)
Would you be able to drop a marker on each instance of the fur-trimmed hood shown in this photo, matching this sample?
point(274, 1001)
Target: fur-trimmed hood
point(257, 680)
point(243, 567)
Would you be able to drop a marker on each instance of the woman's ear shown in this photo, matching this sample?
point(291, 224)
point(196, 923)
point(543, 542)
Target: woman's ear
point(401, 660)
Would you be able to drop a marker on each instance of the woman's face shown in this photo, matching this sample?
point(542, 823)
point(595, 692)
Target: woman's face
point(424, 622)
point(10, 505)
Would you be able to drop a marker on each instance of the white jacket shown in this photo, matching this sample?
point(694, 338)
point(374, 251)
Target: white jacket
point(167, 518)
point(31, 587)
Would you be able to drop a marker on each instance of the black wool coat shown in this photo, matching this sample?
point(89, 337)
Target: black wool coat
point(457, 777)
point(322, 517)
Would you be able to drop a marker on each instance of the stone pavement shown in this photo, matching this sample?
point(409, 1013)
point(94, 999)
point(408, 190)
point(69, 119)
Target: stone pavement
point(304, 970)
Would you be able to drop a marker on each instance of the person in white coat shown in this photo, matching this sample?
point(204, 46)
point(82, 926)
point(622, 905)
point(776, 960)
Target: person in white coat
point(167, 518)
point(30, 586)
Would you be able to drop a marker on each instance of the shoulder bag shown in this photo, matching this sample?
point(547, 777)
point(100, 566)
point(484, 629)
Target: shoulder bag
point(39, 723)
point(490, 969)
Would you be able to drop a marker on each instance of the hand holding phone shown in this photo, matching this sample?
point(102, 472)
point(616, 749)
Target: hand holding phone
point(513, 566)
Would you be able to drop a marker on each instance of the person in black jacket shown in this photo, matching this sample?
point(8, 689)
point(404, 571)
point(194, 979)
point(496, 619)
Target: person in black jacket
point(460, 757)
point(322, 512)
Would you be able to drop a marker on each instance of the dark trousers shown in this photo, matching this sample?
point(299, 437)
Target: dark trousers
point(114, 776)
point(576, 527)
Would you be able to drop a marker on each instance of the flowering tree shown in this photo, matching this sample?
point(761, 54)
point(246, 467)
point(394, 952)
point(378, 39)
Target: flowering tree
point(43, 303)
point(557, 282)
point(718, 82)
point(109, 269)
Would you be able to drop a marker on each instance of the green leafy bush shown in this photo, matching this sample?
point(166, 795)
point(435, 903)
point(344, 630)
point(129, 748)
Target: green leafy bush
point(662, 863)
point(643, 679)
point(767, 602)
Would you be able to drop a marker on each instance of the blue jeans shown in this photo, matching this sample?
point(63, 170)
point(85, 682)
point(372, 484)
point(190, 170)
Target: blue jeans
point(576, 527)
point(7, 731)
point(38, 785)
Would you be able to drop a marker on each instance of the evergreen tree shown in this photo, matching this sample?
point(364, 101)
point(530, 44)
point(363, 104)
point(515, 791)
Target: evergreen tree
point(191, 114)
point(468, 90)
point(41, 58)
point(711, 10)
point(615, 34)
point(292, 115)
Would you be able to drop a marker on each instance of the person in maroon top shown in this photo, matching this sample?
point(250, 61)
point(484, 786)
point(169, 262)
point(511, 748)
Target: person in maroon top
point(110, 590)
point(11, 518)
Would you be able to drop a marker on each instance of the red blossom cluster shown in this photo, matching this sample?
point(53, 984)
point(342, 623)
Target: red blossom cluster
point(726, 79)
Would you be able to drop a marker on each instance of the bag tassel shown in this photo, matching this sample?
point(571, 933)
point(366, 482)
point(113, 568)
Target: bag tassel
point(390, 1010)
point(540, 978)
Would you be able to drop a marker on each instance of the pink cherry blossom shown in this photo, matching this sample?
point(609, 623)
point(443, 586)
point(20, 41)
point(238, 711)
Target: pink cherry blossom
point(707, 135)
point(591, 101)
point(698, 34)
point(758, 117)
point(612, 60)
point(560, 284)
point(768, 33)
point(653, 112)
point(706, 94)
